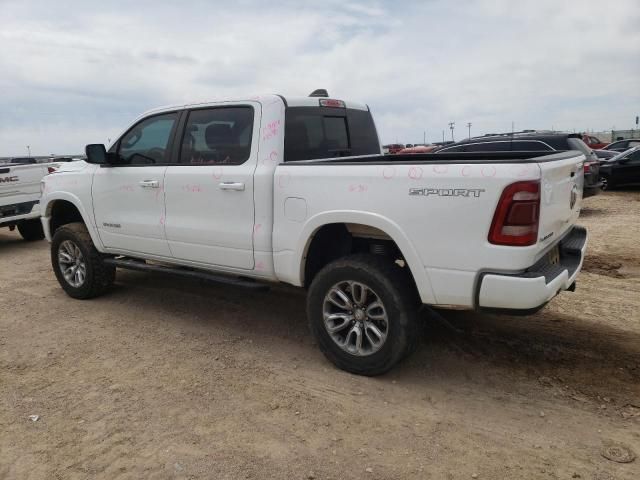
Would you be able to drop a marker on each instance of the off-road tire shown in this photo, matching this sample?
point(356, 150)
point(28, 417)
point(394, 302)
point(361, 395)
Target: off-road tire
point(396, 290)
point(99, 276)
point(31, 230)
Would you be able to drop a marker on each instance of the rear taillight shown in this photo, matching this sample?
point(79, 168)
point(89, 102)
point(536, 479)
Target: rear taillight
point(51, 169)
point(587, 167)
point(517, 215)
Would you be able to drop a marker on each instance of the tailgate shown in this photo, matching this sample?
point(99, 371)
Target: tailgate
point(20, 183)
point(561, 186)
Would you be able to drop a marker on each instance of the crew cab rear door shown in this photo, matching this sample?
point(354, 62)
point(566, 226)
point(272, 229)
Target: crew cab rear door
point(209, 193)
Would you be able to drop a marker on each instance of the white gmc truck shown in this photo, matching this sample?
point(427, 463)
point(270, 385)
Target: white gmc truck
point(20, 198)
point(296, 190)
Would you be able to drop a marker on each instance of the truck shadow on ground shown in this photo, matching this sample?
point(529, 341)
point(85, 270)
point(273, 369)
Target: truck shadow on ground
point(11, 243)
point(585, 356)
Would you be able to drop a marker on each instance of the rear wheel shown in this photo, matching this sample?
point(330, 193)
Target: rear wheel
point(31, 230)
point(606, 183)
point(363, 313)
point(79, 267)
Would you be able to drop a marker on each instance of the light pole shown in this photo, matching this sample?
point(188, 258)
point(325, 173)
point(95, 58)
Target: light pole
point(469, 127)
point(452, 126)
point(28, 151)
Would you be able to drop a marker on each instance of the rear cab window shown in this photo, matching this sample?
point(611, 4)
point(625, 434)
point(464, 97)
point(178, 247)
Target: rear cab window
point(327, 132)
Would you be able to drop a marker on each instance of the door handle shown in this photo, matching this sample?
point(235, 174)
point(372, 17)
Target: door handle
point(149, 184)
point(231, 186)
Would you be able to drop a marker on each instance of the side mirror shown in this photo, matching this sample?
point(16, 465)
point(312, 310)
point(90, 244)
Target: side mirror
point(96, 153)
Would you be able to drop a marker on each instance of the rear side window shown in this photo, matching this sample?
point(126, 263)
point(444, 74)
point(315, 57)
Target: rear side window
point(320, 132)
point(217, 136)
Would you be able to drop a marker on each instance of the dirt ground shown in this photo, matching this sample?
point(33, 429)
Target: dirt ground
point(169, 378)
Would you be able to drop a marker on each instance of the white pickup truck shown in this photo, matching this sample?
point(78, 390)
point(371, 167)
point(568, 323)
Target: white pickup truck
point(20, 198)
point(296, 190)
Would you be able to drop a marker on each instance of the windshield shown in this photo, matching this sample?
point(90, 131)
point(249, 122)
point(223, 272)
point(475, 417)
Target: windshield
point(622, 154)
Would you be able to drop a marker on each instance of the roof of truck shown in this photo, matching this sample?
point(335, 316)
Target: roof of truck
point(265, 99)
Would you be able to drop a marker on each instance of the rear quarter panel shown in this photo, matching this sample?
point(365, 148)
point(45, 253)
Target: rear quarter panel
point(442, 237)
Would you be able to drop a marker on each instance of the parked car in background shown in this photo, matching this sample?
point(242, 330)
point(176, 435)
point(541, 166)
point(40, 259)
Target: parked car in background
point(419, 149)
point(23, 160)
point(20, 197)
point(532, 140)
point(623, 169)
point(622, 145)
point(392, 148)
point(605, 154)
point(593, 142)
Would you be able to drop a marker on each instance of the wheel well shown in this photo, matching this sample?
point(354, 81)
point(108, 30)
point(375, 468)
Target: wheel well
point(63, 212)
point(337, 240)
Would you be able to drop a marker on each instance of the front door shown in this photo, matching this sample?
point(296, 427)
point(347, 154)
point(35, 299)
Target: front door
point(209, 196)
point(128, 199)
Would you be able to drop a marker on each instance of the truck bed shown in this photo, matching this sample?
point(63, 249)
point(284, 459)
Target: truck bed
point(454, 157)
point(438, 209)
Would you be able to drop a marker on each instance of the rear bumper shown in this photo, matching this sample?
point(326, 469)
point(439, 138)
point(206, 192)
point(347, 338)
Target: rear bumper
point(530, 290)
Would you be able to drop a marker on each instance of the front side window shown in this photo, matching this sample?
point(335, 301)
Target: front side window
point(217, 136)
point(147, 142)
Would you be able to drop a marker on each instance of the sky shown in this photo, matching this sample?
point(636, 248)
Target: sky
point(78, 72)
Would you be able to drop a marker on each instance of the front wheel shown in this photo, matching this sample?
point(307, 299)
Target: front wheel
point(606, 183)
point(363, 313)
point(31, 230)
point(79, 267)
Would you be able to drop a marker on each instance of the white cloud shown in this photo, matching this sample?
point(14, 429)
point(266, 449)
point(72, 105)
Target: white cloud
point(74, 73)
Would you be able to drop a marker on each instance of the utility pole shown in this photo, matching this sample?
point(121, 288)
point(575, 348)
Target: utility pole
point(469, 127)
point(424, 137)
point(442, 136)
point(28, 150)
point(513, 126)
point(452, 126)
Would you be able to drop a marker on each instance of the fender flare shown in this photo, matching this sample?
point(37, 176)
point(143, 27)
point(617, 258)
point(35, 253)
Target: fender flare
point(75, 201)
point(384, 224)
